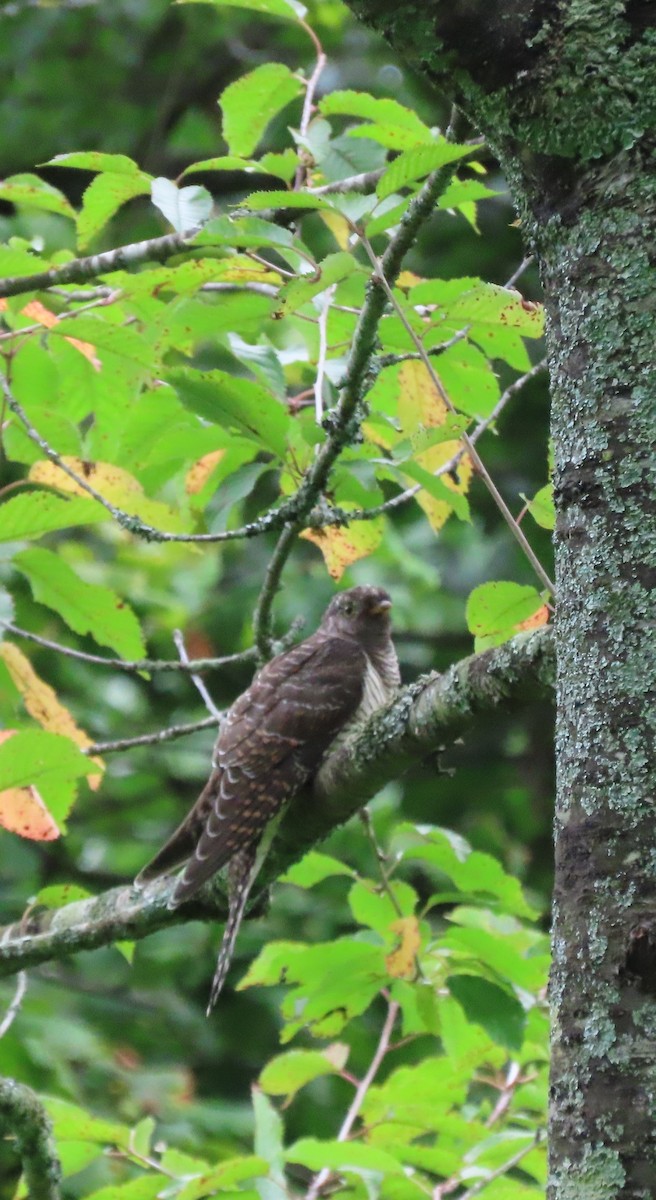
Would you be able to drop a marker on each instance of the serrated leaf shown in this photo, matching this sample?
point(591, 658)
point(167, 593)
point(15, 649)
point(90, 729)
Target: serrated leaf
point(146, 1187)
point(22, 810)
point(376, 908)
point(250, 103)
point(33, 192)
point(332, 269)
point(58, 895)
point(381, 111)
point(234, 403)
point(184, 208)
point(343, 545)
point(46, 762)
point(314, 868)
point(495, 1010)
point(274, 8)
point(244, 233)
point(496, 611)
point(95, 160)
point(315, 1154)
point(541, 507)
point(266, 200)
point(42, 702)
point(114, 484)
point(473, 872)
point(32, 515)
point(121, 340)
point(71, 1123)
point(415, 163)
point(85, 607)
point(104, 196)
point(224, 1177)
point(285, 1074)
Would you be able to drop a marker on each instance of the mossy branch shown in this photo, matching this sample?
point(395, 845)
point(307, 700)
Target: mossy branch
point(424, 718)
point(23, 1119)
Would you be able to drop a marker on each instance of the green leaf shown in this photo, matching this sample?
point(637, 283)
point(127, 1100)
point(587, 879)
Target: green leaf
point(495, 1010)
point(385, 113)
point(18, 260)
point(312, 1153)
point(285, 1074)
point(541, 507)
point(71, 1123)
point(234, 403)
point(122, 340)
point(57, 430)
point(226, 162)
point(49, 762)
point(95, 160)
point(265, 200)
point(473, 872)
point(274, 8)
point(35, 513)
point(496, 610)
point(332, 269)
point(314, 868)
point(32, 192)
point(85, 607)
point(146, 1187)
point(375, 908)
point(437, 488)
point(268, 1144)
point(415, 163)
point(243, 232)
point(61, 894)
point(251, 102)
point(103, 197)
point(224, 1178)
point(184, 208)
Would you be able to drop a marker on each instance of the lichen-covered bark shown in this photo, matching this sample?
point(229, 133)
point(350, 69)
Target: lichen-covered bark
point(566, 93)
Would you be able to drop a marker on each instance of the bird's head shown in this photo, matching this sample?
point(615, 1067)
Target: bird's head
point(361, 612)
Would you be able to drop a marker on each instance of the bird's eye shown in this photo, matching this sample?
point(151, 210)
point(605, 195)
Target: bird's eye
point(347, 607)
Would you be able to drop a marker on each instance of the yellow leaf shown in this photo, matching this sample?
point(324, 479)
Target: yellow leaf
point(408, 279)
point(43, 704)
point(431, 460)
point(339, 228)
point(35, 311)
point(199, 473)
point(420, 403)
point(113, 483)
point(341, 547)
point(401, 962)
point(22, 810)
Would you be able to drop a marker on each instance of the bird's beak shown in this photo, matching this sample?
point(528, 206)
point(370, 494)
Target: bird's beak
point(381, 607)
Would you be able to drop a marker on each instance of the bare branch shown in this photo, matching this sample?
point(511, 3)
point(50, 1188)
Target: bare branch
point(151, 739)
point(196, 679)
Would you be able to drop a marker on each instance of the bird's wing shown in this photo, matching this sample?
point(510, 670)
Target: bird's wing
point(273, 738)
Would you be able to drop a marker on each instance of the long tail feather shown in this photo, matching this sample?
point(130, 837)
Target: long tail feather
point(241, 874)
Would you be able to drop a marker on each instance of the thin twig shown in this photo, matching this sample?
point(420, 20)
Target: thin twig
point(381, 859)
point(196, 679)
point(344, 422)
point(323, 352)
point(150, 739)
point(477, 461)
point(143, 664)
point(480, 1184)
point(17, 1000)
point(308, 102)
point(323, 1176)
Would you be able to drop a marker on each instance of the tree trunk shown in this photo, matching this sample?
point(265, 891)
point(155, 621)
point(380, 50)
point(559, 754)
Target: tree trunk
point(566, 94)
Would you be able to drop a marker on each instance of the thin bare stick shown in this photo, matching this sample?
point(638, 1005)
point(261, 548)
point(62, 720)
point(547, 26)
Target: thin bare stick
point(323, 352)
point(17, 1000)
point(142, 664)
point(150, 739)
point(196, 679)
point(323, 1176)
point(480, 1184)
point(477, 461)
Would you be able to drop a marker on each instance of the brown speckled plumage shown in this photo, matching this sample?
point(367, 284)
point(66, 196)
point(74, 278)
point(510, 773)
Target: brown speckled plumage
point(272, 742)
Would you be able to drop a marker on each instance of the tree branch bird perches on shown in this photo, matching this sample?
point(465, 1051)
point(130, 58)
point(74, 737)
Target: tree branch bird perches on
point(303, 703)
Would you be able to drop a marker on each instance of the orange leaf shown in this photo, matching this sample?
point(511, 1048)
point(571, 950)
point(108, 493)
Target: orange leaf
point(539, 618)
point(199, 473)
point(43, 704)
point(401, 962)
point(22, 810)
point(341, 547)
